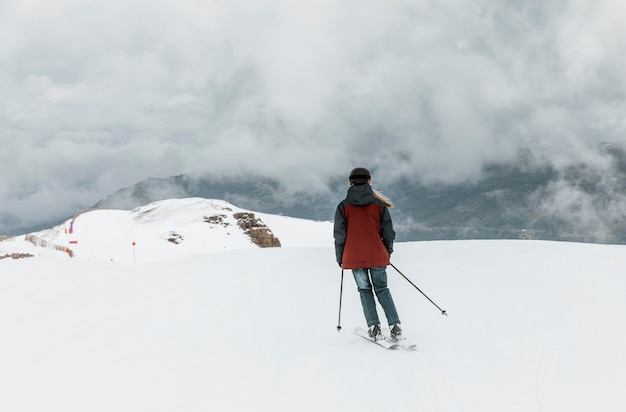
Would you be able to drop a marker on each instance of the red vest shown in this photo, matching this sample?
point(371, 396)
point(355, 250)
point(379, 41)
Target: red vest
point(364, 247)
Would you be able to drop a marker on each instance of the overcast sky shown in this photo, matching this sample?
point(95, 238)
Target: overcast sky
point(98, 95)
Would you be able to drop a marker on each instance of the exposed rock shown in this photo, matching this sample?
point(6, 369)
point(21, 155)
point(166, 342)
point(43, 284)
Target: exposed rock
point(216, 220)
point(16, 256)
point(258, 232)
point(175, 238)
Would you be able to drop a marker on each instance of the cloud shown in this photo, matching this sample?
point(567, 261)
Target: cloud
point(99, 95)
point(585, 202)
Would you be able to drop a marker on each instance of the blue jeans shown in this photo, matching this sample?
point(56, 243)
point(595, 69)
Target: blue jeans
point(379, 283)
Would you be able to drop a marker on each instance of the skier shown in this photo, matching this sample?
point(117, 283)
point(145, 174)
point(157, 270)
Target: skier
point(364, 238)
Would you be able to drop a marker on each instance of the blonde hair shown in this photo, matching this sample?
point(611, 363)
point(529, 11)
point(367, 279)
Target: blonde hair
point(383, 198)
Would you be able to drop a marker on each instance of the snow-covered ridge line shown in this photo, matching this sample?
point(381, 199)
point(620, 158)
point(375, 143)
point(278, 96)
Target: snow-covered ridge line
point(173, 228)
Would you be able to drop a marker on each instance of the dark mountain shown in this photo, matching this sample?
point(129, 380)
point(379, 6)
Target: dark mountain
point(499, 206)
point(249, 192)
point(581, 202)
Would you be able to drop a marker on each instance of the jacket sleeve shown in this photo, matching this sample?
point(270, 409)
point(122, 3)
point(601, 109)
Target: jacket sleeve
point(339, 233)
point(387, 233)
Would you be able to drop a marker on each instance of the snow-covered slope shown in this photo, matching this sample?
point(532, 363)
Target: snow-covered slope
point(532, 325)
point(169, 229)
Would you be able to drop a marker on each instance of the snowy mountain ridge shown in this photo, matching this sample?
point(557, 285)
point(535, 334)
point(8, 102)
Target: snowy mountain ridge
point(174, 228)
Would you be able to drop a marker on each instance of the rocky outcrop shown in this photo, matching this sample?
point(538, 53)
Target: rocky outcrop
point(175, 238)
point(258, 232)
point(217, 220)
point(16, 256)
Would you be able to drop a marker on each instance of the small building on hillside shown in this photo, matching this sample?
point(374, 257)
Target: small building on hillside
point(527, 234)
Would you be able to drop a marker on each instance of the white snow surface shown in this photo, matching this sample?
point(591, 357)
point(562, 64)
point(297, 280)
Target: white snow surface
point(215, 323)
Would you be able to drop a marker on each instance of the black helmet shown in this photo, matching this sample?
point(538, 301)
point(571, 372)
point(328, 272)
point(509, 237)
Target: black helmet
point(359, 176)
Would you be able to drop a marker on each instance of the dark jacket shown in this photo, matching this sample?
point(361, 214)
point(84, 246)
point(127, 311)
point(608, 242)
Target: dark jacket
point(363, 230)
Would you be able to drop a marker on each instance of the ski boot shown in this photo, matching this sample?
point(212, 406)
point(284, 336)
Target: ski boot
point(375, 333)
point(396, 333)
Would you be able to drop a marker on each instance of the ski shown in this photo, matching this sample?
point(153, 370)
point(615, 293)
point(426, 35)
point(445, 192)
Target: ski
point(385, 343)
point(401, 344)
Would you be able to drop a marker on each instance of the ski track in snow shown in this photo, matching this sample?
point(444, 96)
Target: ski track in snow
point(532, 325)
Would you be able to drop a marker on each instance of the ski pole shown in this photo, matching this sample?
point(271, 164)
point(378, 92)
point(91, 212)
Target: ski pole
point(340, 296)
point(443, 312)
